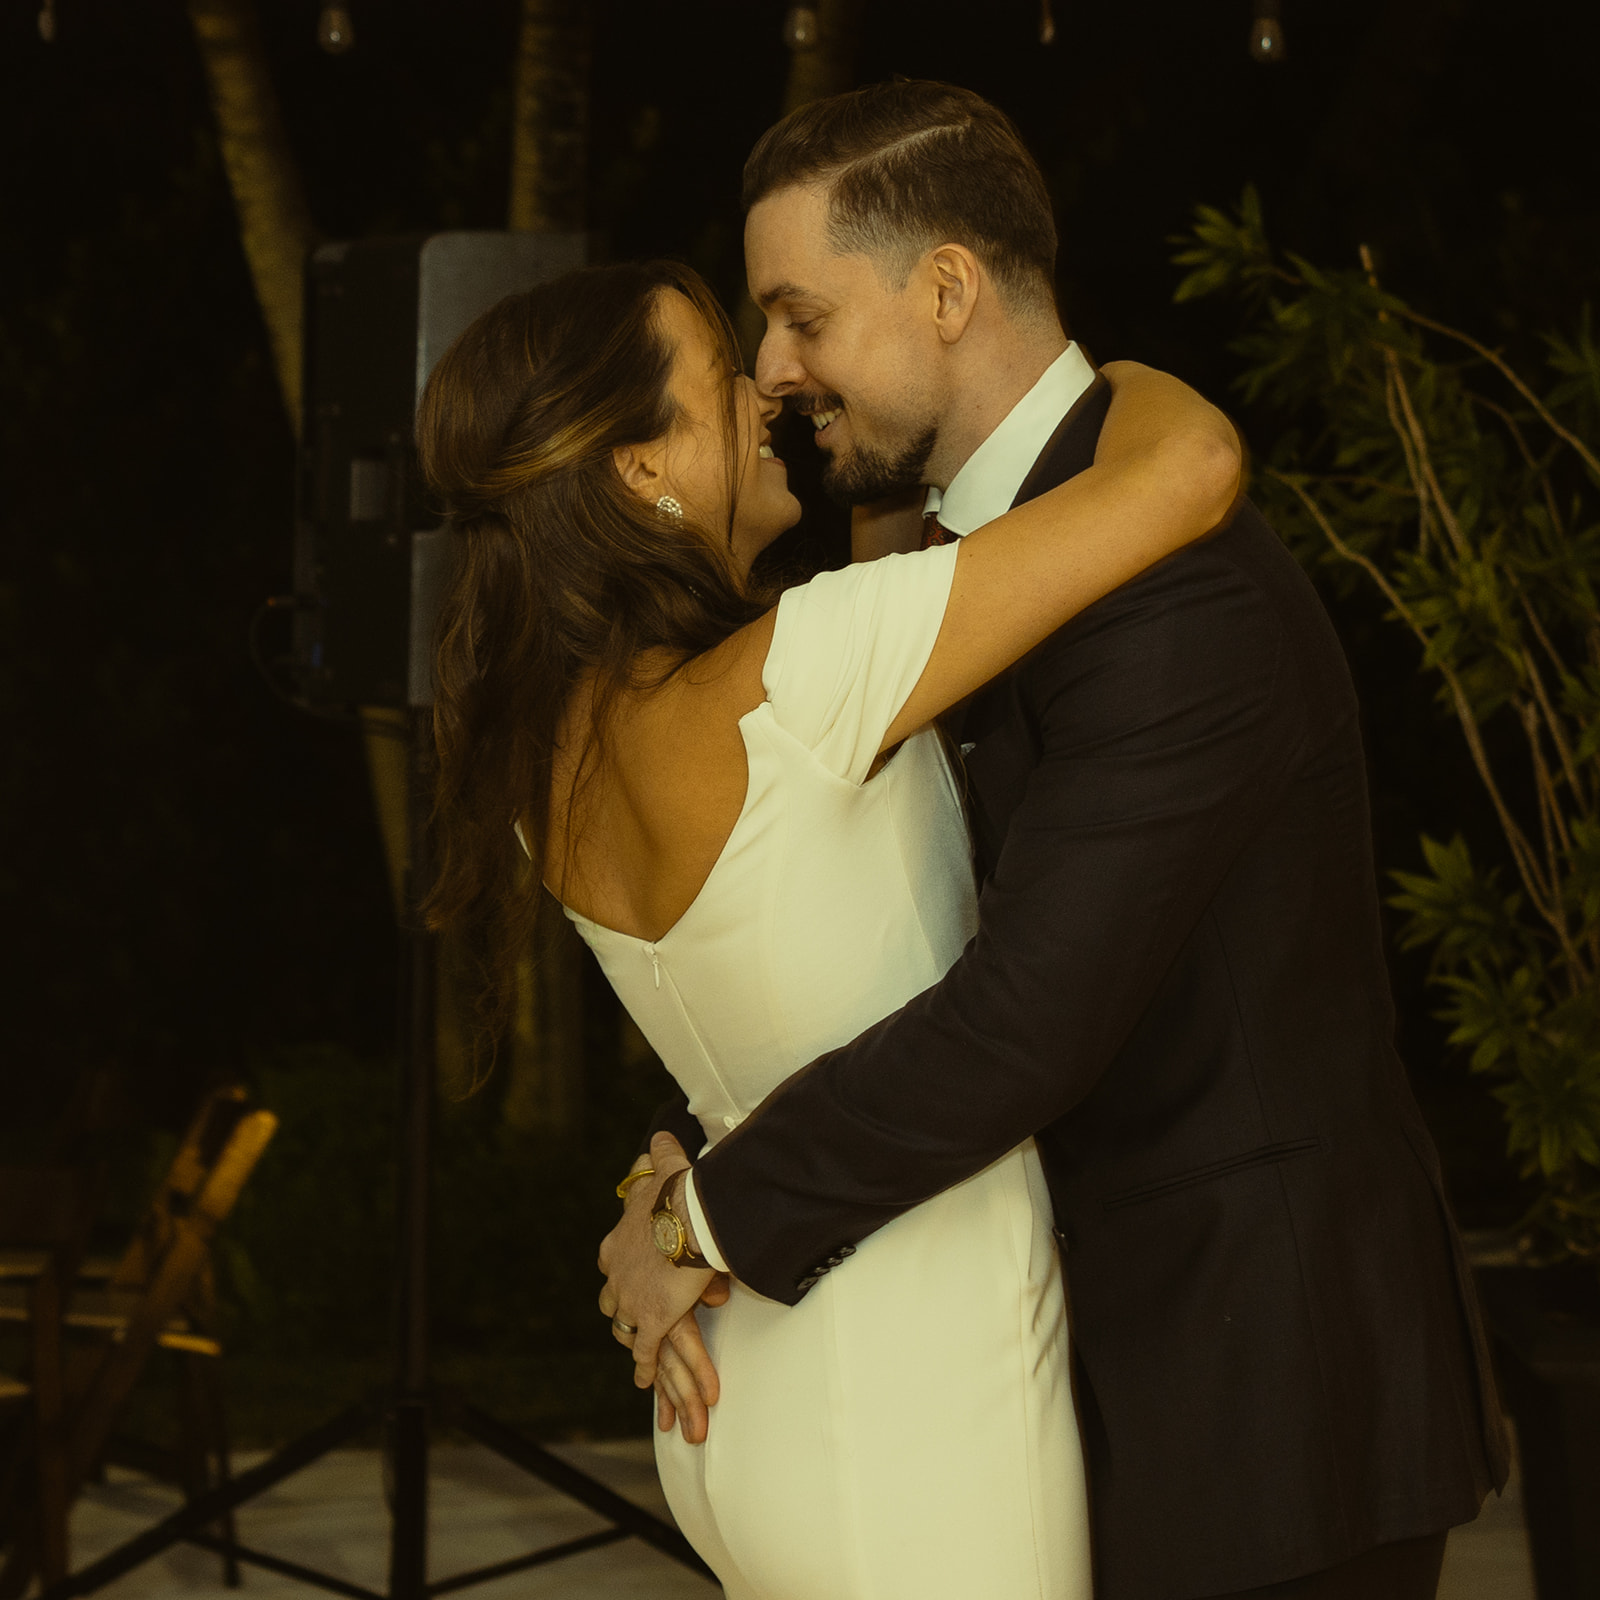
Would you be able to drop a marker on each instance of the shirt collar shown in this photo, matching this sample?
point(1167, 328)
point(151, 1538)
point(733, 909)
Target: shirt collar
point(987, 484)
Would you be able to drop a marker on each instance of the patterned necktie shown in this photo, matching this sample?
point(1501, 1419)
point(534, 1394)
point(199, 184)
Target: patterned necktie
point(933, 533)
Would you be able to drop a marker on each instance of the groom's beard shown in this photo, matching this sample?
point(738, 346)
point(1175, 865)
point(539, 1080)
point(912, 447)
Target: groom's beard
point(863, 473)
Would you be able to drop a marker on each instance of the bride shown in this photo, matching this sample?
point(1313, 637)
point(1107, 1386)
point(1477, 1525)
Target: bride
point(743, 803)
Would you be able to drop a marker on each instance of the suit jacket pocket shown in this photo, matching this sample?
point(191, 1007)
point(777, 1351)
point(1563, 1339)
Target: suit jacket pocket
point(1263, 1156)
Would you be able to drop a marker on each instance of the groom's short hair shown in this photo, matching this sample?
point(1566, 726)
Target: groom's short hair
point(910, 164)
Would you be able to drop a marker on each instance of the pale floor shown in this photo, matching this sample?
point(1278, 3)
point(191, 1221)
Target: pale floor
point(331, 1516)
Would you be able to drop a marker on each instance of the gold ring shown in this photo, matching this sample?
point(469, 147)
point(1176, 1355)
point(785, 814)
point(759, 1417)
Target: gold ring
point(618, 1326)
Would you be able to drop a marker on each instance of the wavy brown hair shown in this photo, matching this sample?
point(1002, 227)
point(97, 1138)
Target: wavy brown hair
point(560, 573)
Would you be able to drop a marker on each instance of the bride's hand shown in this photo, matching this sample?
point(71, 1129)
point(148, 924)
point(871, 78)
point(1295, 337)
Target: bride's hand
point(686, 1382)
point(643, 1288)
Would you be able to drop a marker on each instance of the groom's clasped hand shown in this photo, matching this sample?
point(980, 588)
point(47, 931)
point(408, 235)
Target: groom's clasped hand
point(650, 1303)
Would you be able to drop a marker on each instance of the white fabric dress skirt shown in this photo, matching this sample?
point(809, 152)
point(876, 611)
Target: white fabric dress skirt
point(906, 1432)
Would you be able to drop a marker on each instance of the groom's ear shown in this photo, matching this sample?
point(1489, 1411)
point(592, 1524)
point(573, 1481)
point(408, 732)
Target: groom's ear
point(956, 282)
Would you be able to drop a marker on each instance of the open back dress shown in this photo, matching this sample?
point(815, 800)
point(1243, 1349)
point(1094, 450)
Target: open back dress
point(906, 1430)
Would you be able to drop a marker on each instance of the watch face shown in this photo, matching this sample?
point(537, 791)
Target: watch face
point(668, 1233)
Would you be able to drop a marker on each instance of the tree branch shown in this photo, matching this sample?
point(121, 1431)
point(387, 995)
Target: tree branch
point(1505, 371)
point(1527, 456)
point(1419, 441)
point(1558, 734)
point(1413, 468)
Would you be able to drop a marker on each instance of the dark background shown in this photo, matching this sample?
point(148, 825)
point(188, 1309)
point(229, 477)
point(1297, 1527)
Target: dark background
point(192, 880)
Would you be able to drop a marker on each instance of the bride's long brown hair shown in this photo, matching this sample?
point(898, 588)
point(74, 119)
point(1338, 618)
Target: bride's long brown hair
point(560, 572)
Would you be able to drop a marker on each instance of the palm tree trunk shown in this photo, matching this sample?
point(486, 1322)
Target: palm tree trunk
point(550, 117)
point(274, 221)
point(816, 70)
point(544, 1088)
point(276, 233)
point(828, 66)
point(549, 148)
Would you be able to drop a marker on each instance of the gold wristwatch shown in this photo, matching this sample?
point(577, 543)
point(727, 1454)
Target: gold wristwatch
point(670, 1232)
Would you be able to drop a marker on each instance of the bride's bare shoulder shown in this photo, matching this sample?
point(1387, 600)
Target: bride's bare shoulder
point(648, 801)
point(669, 712)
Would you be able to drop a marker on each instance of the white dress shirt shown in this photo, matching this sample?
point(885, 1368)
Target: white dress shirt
point(981, 491)
point(988, 482)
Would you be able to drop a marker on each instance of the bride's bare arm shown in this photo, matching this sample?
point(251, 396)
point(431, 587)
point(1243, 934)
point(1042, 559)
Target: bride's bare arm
point(1166, 471)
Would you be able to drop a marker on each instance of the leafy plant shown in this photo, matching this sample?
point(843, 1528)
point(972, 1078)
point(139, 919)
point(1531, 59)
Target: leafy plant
point(1420, 462)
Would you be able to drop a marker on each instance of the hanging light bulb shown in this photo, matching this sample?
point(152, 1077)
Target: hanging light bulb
point(335, 31)
point(47, 21)
point(800, 27)
point(1047, 22)
point(1266, 32)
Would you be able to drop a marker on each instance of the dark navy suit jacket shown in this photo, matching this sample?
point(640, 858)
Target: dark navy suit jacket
point(1178, 988)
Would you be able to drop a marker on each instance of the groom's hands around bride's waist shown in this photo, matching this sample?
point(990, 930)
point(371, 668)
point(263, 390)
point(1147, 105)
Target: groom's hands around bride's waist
point(658, 1299)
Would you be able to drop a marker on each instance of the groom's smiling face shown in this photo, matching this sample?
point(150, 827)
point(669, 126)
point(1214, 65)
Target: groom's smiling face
point(845, 345)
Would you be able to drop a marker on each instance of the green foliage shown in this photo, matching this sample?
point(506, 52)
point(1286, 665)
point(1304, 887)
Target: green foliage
point(1420, 464)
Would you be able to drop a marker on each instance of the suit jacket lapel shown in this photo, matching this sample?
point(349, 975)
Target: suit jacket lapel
point(1071, 447)
point(1067, 452)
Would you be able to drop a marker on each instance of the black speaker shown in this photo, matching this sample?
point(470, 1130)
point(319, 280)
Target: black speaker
point(379, 314)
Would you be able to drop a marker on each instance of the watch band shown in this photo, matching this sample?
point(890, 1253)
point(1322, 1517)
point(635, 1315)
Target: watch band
point(670, 1232)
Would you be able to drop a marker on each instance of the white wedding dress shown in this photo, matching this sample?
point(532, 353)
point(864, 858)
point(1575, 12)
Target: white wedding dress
point(907, 1431)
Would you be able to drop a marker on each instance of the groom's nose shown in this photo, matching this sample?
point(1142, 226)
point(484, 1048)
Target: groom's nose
point(777, 371)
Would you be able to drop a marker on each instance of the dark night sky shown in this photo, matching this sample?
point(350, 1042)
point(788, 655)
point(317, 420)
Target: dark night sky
point(191, 871)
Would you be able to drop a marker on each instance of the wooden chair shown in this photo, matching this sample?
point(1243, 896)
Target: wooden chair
point(158, 1294)
point(45, 1217)
point(109, 1285)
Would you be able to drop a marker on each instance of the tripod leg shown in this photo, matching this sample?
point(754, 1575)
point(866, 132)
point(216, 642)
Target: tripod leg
point(208, 1507)
point(418, 987)
point(408, 1465)
point(194, 1466)
point(540, 1463)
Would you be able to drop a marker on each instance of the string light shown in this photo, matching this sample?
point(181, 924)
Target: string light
point(1266, 32)
point(800, 27)
point(335, 31)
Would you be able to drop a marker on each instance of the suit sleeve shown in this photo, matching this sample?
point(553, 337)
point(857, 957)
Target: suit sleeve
point(1161, 734)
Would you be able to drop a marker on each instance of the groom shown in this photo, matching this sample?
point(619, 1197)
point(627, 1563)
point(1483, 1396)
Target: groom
point(1178, 984)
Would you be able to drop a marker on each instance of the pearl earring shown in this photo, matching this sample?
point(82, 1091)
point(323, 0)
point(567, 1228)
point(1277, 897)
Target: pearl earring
point(672, 508)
